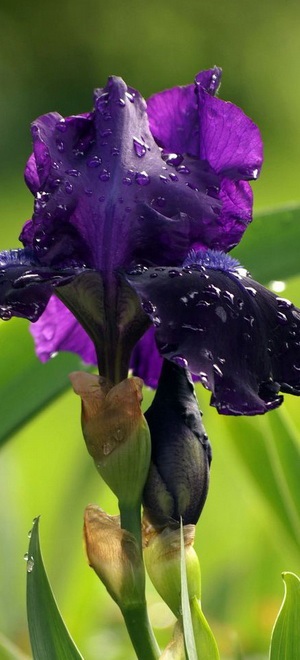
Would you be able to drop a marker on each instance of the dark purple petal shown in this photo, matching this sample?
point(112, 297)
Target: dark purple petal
point(229, 140)
point(58, 330)
point(146, 361)
point(26, 285)
point(178, 478)
point(31, 175)
point(242, 340)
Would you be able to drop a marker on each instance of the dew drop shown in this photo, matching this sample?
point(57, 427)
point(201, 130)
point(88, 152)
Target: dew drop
point(130, 97)
point(60, 145)
point(251, 291)
point(127, 181)
point(163, 178)
point(104, 175)
point(153, 275)
point(108, 447)
point(140, 147)
point(160, 202)
point(172, 159)
point(142, 178)
point(30, 564)
point(217, 371)
point(183, 169)
point(29, 533)
point(173, 176)
point(94, 161)
point(61, 126)
point(106, 133)
point(121, 103)
point(281, 318)
point(296, 314)
point(73, 172)
point(88, 192)
point(68, 187)
point(180, 361)
point(148, 307)
point(156, 320)
point(25, 556)
point(5, 313)
point(284, 303)
point(174, 273)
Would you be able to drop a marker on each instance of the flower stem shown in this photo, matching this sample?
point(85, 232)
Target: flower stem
point(140, 632)
point(131, 521)
point(136, 617)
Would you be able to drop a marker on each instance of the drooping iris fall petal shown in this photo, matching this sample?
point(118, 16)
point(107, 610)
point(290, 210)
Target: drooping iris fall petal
point(242, 340)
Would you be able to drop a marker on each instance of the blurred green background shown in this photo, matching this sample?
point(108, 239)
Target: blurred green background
point(52, 55)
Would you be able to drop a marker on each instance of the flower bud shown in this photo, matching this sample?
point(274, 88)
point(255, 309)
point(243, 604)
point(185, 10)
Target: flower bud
point(176, 648)
point(114, 555)
point(178, 478)
point(116, 433)
point(162, 553)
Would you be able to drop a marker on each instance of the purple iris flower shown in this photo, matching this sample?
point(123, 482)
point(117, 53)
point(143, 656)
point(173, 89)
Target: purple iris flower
point(132, 183)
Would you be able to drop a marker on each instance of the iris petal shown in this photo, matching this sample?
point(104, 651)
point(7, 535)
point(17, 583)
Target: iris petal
point(241, 339)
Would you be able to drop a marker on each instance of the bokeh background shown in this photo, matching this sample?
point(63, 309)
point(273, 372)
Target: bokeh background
point(52, 55)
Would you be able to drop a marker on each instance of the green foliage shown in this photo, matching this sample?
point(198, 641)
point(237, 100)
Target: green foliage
point(48, 634)
point(270, 246)
point(285, 643)
point(26, 385)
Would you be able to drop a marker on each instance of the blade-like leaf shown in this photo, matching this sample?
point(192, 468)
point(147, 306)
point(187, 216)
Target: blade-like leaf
point(199, 640)
point(185, 604)
point(271, 453)
point(49, 636)
point(27, 385)
point(285, 641)
point(270, 247)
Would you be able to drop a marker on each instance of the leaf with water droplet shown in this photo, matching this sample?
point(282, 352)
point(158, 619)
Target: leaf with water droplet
point(49, 636)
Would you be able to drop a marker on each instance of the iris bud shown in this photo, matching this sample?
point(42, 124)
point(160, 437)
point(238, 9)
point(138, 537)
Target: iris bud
point(114, 555)
point(116, 433)
point(162, 560)
point(178, 478)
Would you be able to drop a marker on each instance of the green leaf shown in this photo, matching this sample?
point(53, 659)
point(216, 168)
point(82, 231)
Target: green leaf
point(285, 641)
point(185, 604)
point(198, 637)
point(270, 451)
point(49, 636)
point(27, 385)
point(270, 246)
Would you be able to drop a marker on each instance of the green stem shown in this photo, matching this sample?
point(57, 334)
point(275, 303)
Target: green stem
point(140, 632)
point(131, 520)
point(136, 618)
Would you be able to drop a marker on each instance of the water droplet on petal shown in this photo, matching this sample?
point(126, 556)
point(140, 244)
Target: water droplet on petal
point(61, 126)
point(130, 97)
point(60, 145)
point(217, 371)
point(29, 533)
point(68, 187)
point(174, 273)
point(281, 318)
point(104, 175)
point(142, 178)
point(94, 161)
point(251, 291)
point(284, 303)
point(127, 181)
point(140, 147)
point(183, 169)
point(106, 132)
point(25, 556)
point(73, 172)
point(181, 361)
point(148, 307)
point(5, 313)
point(172, 159)
point(121, 103)
point(30, 564)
